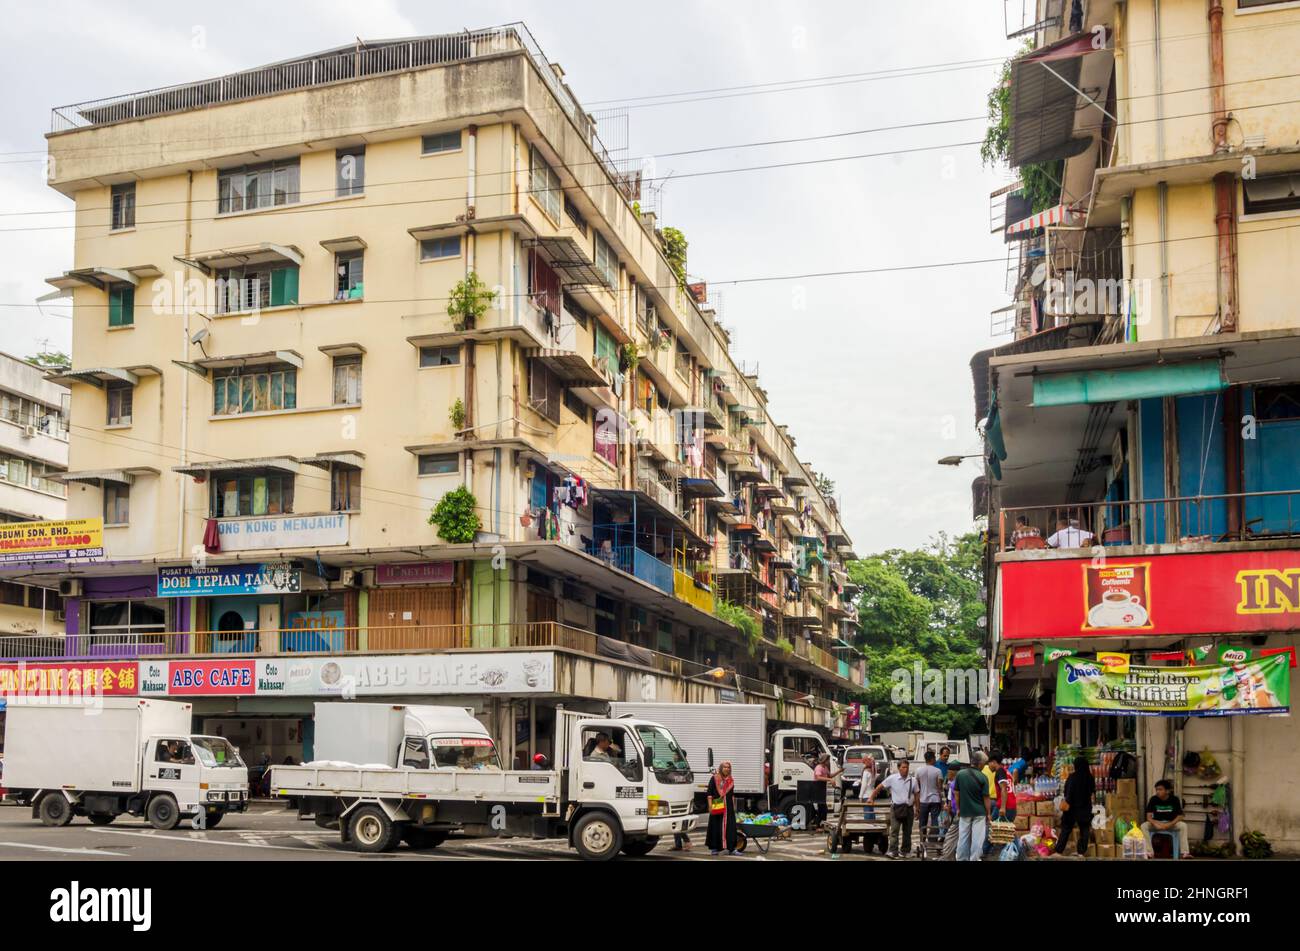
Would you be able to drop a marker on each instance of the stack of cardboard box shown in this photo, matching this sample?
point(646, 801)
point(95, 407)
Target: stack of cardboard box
point(1123, 803)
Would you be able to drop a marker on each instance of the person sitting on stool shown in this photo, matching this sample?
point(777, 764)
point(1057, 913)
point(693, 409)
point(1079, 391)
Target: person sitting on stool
point(1165, 814)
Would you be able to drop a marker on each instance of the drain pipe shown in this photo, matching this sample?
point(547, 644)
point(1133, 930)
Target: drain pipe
point(471, 249)
point(1225, 184)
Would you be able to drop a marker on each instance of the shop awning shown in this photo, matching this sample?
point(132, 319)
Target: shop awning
point(323, 460)
point(1045, 100)
point(1137, 383)
point(571, 367)
point(1059, 215)
point(210, 262)
point(281, 463)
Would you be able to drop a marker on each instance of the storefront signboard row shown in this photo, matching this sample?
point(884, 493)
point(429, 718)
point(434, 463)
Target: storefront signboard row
point(229, 579)
point(1206, 593)
point(505, 673)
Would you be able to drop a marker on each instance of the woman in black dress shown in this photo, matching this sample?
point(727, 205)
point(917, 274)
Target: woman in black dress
point(1079, 787)
point(722, 824)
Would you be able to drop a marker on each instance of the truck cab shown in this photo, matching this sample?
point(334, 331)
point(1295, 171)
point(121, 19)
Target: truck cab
point(630, 784)
point(443, 738)
point(202, 774)
point(794, 756)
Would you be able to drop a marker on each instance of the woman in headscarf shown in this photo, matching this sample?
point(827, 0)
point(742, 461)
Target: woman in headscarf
point(1077, 806)
point(722, 812)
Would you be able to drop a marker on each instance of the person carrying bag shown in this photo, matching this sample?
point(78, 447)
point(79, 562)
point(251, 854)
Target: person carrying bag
point(904, 793)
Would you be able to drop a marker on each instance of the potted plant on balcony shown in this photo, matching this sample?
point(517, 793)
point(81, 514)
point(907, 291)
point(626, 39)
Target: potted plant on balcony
point(742, 621)
point(629, 355)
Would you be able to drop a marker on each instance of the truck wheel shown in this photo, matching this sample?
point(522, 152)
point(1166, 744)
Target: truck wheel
point(163, 813)
point(423, 838)
point(54, 810)
point(598, 837)
point(640, 847)
point(100, 818)
point(213, 818)
point(371, 830)
point(786, 806)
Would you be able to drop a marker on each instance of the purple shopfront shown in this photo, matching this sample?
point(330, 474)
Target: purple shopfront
point(123, 616)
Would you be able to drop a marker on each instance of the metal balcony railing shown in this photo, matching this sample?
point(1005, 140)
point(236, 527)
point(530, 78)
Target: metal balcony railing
point(1200, 519)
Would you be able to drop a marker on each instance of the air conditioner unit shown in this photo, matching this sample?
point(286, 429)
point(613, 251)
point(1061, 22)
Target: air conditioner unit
point(353, 578)
point(70, 588)
point(29, 431)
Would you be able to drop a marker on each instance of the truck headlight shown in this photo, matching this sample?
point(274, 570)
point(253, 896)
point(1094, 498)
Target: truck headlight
point(657, 807)
point(216, 796)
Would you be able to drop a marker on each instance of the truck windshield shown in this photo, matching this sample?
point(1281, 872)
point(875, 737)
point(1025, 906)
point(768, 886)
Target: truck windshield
point(215, 751)
point(464, 753)
point(666, 757)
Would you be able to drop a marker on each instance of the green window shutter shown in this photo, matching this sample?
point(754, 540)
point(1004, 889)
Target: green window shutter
point(121, 306)
point(284, 286)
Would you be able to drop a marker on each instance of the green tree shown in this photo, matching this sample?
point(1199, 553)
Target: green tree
point(921, 606)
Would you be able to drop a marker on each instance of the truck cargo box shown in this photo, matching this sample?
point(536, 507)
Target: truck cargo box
point(735, 732)
point(85, 747)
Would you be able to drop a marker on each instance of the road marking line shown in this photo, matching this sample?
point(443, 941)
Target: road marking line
point(177, 838)
point(52, 848)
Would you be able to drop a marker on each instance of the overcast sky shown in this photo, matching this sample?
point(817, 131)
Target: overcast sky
point(870, 371)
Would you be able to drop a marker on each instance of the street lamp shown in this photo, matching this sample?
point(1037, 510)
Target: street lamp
point(956, 460)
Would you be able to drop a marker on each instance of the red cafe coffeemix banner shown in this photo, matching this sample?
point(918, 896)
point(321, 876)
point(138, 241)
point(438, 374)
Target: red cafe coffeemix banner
point(1193, 594)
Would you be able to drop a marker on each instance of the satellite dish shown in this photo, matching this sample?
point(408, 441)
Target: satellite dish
point(200, 335)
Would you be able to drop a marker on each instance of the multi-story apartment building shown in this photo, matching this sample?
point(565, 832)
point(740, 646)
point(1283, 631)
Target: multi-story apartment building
point(277, 393)
point(33, 455)
point(1144, 420)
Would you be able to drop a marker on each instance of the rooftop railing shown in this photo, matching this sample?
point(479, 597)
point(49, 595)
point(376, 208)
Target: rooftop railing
point(359, 62)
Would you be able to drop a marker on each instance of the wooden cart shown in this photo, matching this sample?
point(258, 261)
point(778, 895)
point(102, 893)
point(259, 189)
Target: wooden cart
point(859, 820)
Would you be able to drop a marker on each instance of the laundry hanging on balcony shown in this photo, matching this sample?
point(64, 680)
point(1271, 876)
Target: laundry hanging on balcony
point(1059, 215)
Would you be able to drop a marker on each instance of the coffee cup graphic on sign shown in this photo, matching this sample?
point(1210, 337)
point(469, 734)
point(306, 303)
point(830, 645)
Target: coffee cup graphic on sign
point(1116, 597)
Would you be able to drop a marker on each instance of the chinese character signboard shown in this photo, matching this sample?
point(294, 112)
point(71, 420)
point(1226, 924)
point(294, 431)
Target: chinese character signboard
point(86, 678)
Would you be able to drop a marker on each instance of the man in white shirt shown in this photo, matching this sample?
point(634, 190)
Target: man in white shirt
point(904, 796)
point(1068, 534)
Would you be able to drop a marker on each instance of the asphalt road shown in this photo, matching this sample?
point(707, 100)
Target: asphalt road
point(269, 833)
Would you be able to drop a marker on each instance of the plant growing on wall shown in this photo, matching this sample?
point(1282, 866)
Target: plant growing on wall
point(470, 300)
point(629, 357)
point(742, 621)
point(456, 516)
point(1041, 180)
point(457, 415)
point(675, 244)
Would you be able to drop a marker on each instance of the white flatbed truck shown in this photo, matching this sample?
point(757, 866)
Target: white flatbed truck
point(606, 798)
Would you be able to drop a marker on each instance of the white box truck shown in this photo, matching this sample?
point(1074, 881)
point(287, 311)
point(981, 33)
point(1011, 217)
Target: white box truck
point(620, 785)
point(415, 735)
point(119, 756)
point(768, 768)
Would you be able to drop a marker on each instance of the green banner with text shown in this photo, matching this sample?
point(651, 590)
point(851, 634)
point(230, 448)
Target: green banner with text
point(1256, 686)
